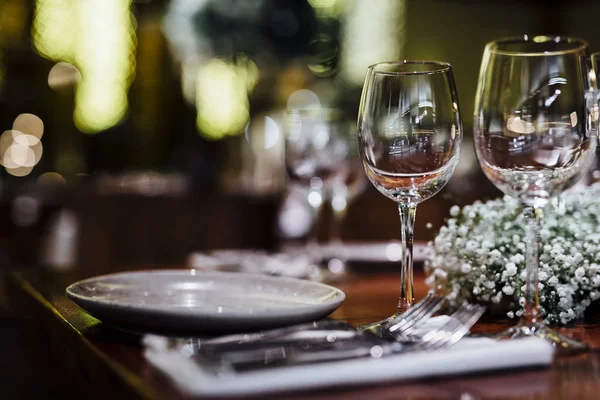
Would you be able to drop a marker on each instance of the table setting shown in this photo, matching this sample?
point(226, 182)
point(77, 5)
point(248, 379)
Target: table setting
point(298, 356)
point(241, 322)
point(305, 363)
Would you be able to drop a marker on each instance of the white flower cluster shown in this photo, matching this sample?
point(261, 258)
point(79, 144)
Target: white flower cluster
point(479, 255)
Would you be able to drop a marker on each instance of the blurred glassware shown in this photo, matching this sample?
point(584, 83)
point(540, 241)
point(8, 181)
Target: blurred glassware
point(320, 166)
point(255, 262)
point(145, 183)
point(343, 189)
point(260, 169)
point(60, 244)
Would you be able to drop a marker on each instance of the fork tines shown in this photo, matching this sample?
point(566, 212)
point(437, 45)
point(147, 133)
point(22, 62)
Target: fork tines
point(407, 323)
point(458, 325)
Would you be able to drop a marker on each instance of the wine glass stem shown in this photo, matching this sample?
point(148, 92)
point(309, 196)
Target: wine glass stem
point(407, 224)
point(533, 218)
point(312, 242)
point(338, 215)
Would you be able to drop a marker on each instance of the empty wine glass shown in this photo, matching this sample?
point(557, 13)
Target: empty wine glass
point(594, 172)
point(409, 136)
point(340, 193)
point(316, 152)
point(534, 138)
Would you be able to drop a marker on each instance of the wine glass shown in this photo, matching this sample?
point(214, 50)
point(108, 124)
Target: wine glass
point(409, 137)
point(594, 172)
point(534, 138)
point(316, 152)
point(342, 190)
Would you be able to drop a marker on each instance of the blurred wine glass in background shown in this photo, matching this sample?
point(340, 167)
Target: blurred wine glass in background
point(344, 188)
point(321, 166)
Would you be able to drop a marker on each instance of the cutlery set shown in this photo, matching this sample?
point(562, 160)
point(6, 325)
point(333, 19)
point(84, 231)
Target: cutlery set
point(330, 340)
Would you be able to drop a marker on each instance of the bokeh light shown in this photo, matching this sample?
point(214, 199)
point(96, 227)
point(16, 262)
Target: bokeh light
point(315, 199)
point(19, 155)
point(328, 8)
point(261, 157)
point(19, 172)
point(63, 75)
point(248, 71)
point(295, 217)
point(55, 29)
point(21, 147)
point(263, 134)
point(51, 178)
point(339, 202)
point(98, 38)
point(303, 99)
point(29, 124)
point(222, 97)
point(374, 32)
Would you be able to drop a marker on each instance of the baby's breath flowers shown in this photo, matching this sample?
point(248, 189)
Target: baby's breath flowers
point(479, 255)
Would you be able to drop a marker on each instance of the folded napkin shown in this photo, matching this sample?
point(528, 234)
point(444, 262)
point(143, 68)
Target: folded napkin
point(467, 356)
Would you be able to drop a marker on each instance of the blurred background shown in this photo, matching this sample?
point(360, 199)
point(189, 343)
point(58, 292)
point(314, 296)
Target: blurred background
point(138, 131)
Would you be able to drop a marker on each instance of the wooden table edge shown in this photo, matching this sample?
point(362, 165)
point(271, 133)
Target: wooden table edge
point(17, 283)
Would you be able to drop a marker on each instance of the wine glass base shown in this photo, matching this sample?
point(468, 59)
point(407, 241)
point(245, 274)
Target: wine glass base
point(563, 345)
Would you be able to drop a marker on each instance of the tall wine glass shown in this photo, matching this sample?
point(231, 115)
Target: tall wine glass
point(409, 136)
point(594, 172)
point(535, 138)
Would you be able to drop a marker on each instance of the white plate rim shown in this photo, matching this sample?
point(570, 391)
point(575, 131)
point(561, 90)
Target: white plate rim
point(189, 312)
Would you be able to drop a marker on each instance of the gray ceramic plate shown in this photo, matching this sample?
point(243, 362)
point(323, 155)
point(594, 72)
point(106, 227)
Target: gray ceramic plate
point(185, 301)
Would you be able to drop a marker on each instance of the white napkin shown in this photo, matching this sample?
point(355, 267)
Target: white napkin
point(468, 356)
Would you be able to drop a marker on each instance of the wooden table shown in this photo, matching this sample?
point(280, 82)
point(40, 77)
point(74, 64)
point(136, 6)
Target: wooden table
point(92, 359)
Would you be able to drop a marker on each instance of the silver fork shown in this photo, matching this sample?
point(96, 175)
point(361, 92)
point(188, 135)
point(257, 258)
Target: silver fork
point(403, 325)
point(408, 323)
point(459, 324)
